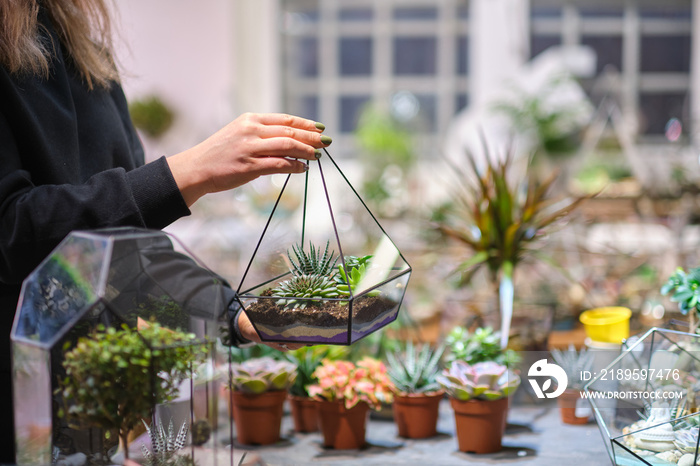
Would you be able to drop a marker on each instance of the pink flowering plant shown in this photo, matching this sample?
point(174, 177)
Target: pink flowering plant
point(344, 381)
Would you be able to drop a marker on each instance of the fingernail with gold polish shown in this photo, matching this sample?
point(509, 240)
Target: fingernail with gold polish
point(317, 153)
point(320, 126)
point(326, 140)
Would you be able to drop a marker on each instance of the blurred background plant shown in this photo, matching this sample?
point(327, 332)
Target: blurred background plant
point(151, 115)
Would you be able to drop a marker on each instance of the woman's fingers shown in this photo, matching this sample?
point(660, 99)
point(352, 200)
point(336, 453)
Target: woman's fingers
point(282, 119)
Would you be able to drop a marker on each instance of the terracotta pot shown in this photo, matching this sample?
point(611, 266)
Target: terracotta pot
point(304, 413)
point(343, 429)
point(258, 417)
point(416, 415)
point(567, 407)
point(480, 424)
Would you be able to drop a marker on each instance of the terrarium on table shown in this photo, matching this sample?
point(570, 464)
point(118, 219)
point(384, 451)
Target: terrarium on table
point(109, 333)
point(328, 273)
point(646, 400)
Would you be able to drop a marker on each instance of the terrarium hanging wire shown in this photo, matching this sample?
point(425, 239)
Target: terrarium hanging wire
point(327, 273)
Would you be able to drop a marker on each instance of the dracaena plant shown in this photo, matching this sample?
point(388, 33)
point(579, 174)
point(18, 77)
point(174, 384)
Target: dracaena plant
point(500, 221)
point(261, 375)
point(685, 289)
point(483, 381)
point(414, 369)
point(351, 384)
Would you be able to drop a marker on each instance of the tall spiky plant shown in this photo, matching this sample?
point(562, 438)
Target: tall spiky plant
point(312, 263)
point(166, 444)
point(500, 222)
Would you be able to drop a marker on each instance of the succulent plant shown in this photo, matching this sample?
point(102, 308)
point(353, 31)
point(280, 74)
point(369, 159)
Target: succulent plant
point(350, 276)
point(312, 263)
point(685, 289)
point(414, 370)
point(484, 380)
point(165, 445)
point(299, 290)
point(574, 364)
point(262, 375)
point(686, 440)
point(481, 345)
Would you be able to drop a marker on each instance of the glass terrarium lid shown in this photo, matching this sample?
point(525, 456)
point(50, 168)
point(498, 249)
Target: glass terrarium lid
point(123, 275)
point(331, 219)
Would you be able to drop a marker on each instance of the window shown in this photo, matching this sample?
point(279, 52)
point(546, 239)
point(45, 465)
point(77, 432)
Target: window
point(665, 54)
point(355, 56)
point(415, 55)
point(350, 108)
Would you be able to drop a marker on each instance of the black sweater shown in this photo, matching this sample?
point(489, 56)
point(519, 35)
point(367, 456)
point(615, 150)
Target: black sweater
point(69, 160)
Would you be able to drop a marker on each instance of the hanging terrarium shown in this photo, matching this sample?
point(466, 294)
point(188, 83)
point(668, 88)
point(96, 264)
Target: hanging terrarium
point(327, 274)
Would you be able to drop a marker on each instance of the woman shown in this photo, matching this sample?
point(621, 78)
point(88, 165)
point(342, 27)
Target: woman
point(70, 158)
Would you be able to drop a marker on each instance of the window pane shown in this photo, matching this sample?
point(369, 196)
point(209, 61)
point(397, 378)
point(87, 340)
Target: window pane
point(657, 109)
point(414, 55)
point(665, 54)
point(307, 57)
point(461, 102)
point(355, 56)
point(665, 11)
point(419, 13)
point(463, 11)
point(308, 107)
point(539, 44)
point(350, 108)
point(601, 11)
point(356, 14)
point(545, 12)
point(608, 50)
point(462, 55)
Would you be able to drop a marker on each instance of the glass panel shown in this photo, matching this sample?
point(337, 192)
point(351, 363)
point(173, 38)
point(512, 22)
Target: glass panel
point(664, 54)
point(356, 14)
point(415, 55)
point(350, 108)
point(355, 56)
point(308, 107)
point(600, 11)
point(661, 10)
point(657, 109)
point(307, 57)
point(540, 43)
point(32, 404)
point(378, 307)
point(608, 51)
point(462, 55)
point(415, 13)
point(461, 102)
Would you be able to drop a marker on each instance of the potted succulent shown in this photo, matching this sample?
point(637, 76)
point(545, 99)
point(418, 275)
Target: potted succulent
point(479, 397)
point(258, 390)
point(109, 376)
point(572, 407)
point(303, 407)
point(346, 392)
point(481, 345)
point(685, 289)
point(418, 394)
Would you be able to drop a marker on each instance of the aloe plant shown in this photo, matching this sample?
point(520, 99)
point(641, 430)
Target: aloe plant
point(414, 369)
point(262, 375)
point(500, 222)
point(484, 381)
point(166, 444)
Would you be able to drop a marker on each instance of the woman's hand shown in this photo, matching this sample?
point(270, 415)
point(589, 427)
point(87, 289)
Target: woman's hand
point(250, 146)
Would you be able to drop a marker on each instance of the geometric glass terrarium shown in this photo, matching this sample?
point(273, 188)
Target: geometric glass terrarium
point(646, 400)
point(327, 272)
point(110, 334)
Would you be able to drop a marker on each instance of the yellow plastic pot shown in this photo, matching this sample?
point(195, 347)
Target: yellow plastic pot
point(607, 324)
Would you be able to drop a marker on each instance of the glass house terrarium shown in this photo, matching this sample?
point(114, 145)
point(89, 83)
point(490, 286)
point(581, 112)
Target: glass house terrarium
point(327, 272)
point(646, 400)
point(112, 338)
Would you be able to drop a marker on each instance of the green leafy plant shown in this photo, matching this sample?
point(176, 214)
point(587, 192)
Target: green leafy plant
point(262, 375)
point(574, 364)
point(114, 377)
point(483, 380)
point(344, 381)
point(307, 359)
point(151, 115)
point(685, 287)
point(350, 276)
point(414, 369)
point(501, 222)
point(481, 345)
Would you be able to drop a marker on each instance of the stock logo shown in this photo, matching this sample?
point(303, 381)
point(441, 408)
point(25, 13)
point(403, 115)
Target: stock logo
point(541, 369)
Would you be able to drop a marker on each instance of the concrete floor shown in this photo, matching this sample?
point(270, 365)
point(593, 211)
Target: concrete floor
point(535, 437)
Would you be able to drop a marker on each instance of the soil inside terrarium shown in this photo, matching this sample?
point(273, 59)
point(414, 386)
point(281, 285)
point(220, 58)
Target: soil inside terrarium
point(320, 314)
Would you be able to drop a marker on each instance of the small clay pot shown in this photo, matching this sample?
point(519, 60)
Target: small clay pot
point(258, 417)
point(304, 413)
point(343, 429)
point(416, 415)
point(567, 407)
point(480, 424)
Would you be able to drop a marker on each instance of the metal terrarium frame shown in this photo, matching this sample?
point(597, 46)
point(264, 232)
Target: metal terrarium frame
point(280, 323)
